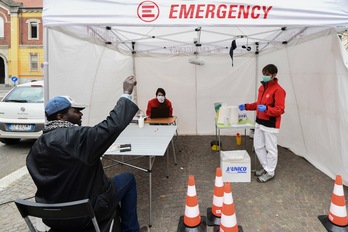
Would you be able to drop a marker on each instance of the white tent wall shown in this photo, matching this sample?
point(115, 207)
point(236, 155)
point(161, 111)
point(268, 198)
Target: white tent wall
point(218, 81)
point(194, 89)
point(177, 78)
point(311, 66)
point(315, 78)
point(89, 73)
point(311, 69)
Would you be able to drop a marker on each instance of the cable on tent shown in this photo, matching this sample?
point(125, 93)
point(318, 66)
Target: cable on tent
point(247, 47)
point(117, 37)
point(133, 49)
point(100, 36)
point(197, 41)
point(257, 48)
point(275, 37)
point(294, 36)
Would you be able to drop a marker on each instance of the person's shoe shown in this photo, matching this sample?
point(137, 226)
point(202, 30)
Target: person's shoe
point(265, 177)
point(144, 229)
point(260, 172)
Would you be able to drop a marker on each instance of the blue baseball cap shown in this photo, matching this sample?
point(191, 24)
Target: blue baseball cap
point(59, 103)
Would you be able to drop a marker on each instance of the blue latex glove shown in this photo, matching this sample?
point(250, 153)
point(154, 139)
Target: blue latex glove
point(241, 107)
point(261, 108)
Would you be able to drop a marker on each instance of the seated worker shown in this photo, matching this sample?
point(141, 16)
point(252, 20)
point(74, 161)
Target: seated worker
point(65, 164)
point(159, 101)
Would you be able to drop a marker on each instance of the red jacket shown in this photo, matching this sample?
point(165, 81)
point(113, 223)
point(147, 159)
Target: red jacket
point(272, 95)
point(155, 103)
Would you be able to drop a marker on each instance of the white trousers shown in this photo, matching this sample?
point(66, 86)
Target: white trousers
point(265, 144)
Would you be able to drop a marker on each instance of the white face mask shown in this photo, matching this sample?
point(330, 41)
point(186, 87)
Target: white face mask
point(160, 99)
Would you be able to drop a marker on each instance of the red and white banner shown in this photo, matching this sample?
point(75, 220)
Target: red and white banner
point(196, 13)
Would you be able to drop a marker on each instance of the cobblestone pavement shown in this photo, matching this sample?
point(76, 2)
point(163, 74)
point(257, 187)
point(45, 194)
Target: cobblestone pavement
point(291, 201)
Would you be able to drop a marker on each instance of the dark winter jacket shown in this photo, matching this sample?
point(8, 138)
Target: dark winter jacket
point(65, 163)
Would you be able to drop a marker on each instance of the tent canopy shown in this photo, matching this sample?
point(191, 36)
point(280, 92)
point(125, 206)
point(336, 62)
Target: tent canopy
point(200, 26)
point(92, 45)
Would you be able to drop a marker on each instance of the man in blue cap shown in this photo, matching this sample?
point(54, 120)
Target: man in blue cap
point(65, 162)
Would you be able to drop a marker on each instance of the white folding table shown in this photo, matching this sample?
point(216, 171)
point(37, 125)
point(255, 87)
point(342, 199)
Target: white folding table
point(151, 141)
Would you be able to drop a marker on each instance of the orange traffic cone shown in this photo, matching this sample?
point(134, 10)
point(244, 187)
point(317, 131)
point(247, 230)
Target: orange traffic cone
point(192, 220)
point(337, 220)
point(214, 212)
point(228, 216)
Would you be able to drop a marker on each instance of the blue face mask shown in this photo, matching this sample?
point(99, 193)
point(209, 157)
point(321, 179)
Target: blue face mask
point(266, 78)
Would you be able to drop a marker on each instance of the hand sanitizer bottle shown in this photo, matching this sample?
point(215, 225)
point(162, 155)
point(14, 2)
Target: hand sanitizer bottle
point(141, 120)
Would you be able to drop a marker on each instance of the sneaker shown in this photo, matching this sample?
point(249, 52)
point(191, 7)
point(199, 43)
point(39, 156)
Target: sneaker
point(265, 177)
point(144, 229)
point(260, 172)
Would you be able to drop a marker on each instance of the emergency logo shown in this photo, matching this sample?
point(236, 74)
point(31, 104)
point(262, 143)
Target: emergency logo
point(148, 11)
point(236, 169)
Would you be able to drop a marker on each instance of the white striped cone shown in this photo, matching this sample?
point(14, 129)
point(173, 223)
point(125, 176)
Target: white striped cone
point(192, 217)
point(218, 194)
point(228, 216)
point(338, 211)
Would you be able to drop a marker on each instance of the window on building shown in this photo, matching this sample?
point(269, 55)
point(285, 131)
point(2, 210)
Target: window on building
point(33, 29)
point(34, 61)
point(2, 28)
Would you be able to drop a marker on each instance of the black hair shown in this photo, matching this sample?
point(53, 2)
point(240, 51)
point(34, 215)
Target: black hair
point(160, 90)
point(53, 117)
point(270, 68)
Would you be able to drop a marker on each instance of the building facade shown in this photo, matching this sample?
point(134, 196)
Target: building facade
point(21, 41)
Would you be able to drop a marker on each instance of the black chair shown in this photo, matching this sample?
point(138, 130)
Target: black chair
point(67, 210)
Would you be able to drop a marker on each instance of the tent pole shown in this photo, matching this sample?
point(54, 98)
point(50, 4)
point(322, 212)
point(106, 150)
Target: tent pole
point(256, 76)
point(135, 92)
point(45, 64)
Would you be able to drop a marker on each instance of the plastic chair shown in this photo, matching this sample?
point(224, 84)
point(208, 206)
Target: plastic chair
point(67, 210)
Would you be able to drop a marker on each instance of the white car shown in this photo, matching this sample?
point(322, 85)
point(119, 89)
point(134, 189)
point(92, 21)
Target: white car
point(22, 113)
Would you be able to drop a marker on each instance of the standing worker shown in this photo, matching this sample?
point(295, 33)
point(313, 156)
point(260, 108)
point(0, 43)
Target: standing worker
point(270, 105)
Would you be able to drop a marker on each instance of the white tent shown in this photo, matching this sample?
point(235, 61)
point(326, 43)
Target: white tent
point(92, 45)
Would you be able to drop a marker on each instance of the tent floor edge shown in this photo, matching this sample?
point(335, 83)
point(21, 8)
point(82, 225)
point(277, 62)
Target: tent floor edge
point(212, 220)
point(202, 227)
point(329, 226)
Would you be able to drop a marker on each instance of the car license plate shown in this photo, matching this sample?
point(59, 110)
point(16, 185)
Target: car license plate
point(20, 127)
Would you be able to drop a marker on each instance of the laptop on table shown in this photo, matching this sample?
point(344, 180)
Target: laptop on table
point(160, 112)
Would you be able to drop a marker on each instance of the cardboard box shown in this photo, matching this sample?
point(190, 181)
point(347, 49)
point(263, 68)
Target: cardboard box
point(235, 166)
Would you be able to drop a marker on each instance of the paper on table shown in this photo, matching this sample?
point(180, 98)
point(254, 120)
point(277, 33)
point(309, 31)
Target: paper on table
point(136, 119)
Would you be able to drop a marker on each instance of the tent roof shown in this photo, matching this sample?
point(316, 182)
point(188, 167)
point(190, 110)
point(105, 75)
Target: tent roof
point(196, 13)
point(193, 27)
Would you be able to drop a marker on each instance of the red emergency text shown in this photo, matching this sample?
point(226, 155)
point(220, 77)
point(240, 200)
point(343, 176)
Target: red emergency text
point(223, 11)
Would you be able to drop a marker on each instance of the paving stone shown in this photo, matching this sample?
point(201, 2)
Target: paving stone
point(290, 202)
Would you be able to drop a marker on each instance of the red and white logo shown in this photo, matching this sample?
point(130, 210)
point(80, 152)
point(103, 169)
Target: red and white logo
point(148, 11)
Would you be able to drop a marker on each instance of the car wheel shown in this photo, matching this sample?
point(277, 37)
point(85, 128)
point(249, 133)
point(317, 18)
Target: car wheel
point(9, 141)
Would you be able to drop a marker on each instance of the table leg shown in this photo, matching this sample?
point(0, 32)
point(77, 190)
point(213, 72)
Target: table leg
point(174, 152)
point(215, 132)
point(150, 191)
point(245, 139)
point(219, 140)
point(167, 172)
